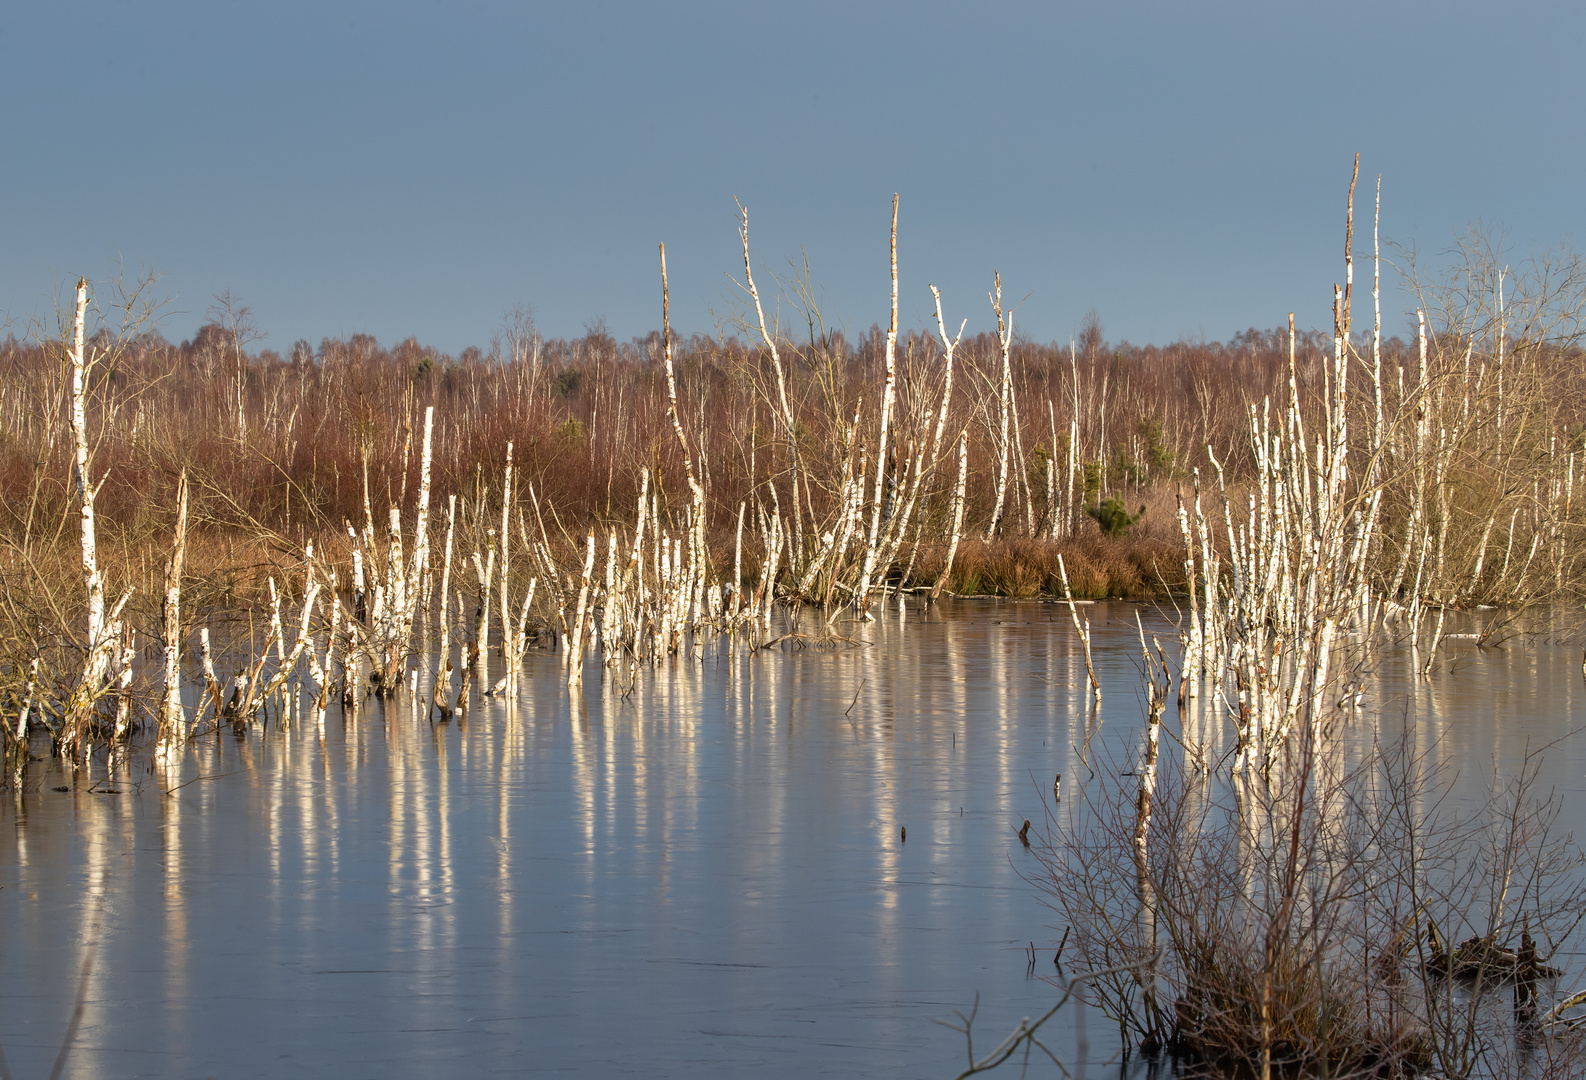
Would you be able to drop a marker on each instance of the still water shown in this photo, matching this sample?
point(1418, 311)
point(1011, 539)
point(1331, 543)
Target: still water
point(699, 871)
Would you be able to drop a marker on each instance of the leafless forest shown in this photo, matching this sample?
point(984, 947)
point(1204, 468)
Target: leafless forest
point(786, 462)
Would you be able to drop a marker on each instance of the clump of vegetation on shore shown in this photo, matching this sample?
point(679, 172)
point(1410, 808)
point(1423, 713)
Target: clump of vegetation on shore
point(1262, 898)
point(1323, 917)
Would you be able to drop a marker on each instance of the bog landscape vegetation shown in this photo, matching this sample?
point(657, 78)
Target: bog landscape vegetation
point(216, 535)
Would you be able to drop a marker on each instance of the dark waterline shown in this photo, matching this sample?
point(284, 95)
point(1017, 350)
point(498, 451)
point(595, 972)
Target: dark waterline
point(702, 876)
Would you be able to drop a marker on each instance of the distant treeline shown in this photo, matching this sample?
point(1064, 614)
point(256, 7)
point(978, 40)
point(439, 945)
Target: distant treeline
point(283, 441)
point(1476, 440)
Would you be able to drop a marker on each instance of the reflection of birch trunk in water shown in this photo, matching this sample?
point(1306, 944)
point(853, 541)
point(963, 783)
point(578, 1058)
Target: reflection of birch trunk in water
point(1156, 698)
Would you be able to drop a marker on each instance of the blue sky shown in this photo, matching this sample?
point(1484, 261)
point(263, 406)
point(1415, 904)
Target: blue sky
point(419, 168)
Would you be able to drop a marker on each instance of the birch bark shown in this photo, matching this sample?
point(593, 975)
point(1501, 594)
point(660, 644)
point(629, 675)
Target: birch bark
point(862, 595)
point(172, 719)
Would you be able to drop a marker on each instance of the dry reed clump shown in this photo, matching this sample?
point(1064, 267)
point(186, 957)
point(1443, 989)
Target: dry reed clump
point(225, 583)
point(1099, 566)
point(226, 577)
point(1309, 1027)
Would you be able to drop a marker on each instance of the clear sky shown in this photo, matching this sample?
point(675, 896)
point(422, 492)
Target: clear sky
point(419, 168)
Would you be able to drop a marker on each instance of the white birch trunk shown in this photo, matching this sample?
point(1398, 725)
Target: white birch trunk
point(958, 514)
point(485, 575)
point(949, 347)
point(124, 658)
point(575, 641)
point(1082, 628)
point(444, 622)
point(862, 594)
point(785, 413)
point(99, 638)
point(421, 529)
point(27, 712)
point(172, 718)
point(206, 661)
point(1004, 408)
point(509, 643)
